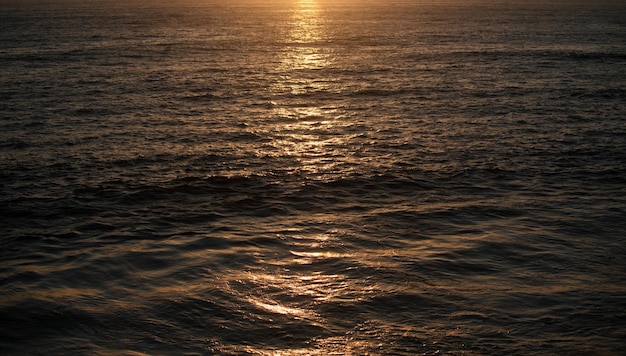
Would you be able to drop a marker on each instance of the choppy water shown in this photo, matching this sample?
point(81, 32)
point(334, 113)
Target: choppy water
point(312, 178)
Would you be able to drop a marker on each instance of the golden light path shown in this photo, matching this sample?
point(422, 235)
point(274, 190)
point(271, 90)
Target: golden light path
point(305, 129)
point(307, 126)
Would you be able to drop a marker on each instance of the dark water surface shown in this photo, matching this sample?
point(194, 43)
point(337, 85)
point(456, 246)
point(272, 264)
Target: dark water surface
point(311, 177)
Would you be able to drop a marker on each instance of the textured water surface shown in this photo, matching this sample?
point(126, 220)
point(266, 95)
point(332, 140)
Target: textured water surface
point(312, 177)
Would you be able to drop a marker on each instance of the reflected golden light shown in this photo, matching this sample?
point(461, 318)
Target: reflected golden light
point(311, 136)
point(303, 284)
point(298, 90)
point(306, 24)
point(278, 308)
point(307, 33)
point(306, 127)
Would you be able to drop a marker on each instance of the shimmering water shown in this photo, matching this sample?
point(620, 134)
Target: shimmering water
point(312, 177)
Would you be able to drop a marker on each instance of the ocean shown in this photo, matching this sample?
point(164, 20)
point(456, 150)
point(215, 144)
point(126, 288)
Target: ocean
point(312, 177)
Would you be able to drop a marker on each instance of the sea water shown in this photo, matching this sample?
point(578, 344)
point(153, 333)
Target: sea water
point(312, 177)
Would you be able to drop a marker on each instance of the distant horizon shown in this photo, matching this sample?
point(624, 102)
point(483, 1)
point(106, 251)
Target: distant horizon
point(352, 2)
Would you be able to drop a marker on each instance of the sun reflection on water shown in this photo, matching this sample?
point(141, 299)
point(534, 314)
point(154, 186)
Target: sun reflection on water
point(312, 273)
point(304, 44)
point(297, 286)
point(302, 95)
point(307, 24)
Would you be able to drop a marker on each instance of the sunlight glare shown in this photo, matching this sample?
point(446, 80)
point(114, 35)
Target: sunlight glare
point(298, 91)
